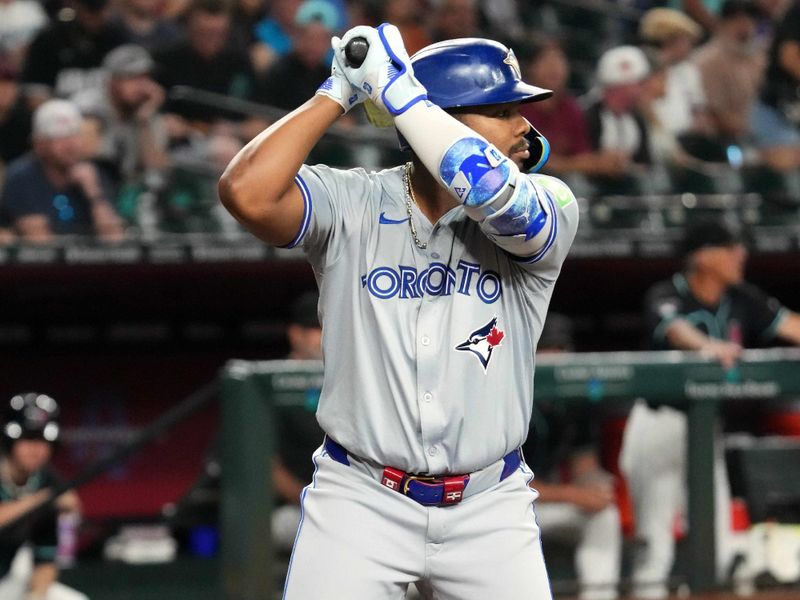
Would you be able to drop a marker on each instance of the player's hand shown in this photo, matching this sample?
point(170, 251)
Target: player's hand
point(727, 353)
point(386, 73)
point(338, 88)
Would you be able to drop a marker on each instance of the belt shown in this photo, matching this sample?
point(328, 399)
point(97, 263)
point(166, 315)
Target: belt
point(431, 490)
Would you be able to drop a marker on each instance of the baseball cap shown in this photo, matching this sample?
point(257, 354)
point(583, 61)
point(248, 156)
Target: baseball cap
point(622, 65)
point(129, 60)
point(710, 233)
point(662, 24)
point(57, 118)
point(304, 310)
point(317, 11)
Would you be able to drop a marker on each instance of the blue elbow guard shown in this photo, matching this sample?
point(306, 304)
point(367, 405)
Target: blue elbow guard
point(474, 171)
point(522, 214)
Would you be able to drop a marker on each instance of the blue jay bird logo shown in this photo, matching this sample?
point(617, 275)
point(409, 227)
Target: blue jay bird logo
point(475, 167)
point(483, 341)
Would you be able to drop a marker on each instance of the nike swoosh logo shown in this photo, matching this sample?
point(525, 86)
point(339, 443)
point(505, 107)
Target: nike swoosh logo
point(384, 220)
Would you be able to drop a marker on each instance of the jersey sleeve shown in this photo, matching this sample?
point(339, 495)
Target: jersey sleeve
point(559, 231)
point(662, 307)
point(334, 203)
point(764, 314)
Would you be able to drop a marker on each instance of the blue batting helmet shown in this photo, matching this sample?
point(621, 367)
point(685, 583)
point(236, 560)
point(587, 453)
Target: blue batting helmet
point(472, 72)
point(477, 72)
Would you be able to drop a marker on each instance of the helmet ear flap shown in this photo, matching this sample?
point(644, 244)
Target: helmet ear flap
point(539, 150)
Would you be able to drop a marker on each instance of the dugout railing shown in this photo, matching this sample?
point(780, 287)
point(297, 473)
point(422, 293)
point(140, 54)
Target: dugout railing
point(251, 391)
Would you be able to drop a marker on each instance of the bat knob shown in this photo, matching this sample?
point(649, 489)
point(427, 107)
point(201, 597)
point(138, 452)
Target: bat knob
point(356, 51)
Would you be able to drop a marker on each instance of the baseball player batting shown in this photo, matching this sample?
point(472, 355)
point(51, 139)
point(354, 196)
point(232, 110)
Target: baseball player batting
point(434, 281)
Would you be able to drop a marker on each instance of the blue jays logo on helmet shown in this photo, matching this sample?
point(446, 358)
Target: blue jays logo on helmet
point(511, 61)
point(482, 342)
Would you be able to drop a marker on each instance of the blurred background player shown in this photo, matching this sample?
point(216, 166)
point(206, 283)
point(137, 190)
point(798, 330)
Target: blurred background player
point(576, 502)
point(28, 570)
point(708, 307)
point(299, 434)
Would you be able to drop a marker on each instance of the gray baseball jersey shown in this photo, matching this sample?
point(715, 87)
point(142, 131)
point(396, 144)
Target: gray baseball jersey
point(429, 354)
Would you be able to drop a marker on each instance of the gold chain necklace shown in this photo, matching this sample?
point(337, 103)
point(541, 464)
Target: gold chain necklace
point(409, 199)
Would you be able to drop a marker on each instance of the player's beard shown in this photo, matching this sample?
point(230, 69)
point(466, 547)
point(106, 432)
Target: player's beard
point(518, 159)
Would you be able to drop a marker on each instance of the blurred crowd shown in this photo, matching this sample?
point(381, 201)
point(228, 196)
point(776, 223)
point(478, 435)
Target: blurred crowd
point(118, 116)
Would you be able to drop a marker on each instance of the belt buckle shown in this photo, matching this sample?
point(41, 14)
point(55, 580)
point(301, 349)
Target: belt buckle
point(430, 479)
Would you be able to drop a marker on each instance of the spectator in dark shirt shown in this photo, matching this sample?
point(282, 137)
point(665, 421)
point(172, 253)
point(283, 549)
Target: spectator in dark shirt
point(65, 58)
point(205, 61)
point(53, 190)
point(15, 117)
point(296, 76)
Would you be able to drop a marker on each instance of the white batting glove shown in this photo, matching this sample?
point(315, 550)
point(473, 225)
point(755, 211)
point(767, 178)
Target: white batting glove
point(386, 73)
point(339, 89)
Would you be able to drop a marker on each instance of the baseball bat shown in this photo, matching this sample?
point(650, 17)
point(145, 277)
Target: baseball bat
point(354, 54)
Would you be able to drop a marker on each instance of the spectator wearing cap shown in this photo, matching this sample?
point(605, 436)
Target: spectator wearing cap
point(66, 57)
point(561, 120)
point(683, 109)
point(732, 66)
point(576, 502)
point(299, 434)
point(206, 61)
point(295, 76)
point(133, 138)
point(20, 21)
point(615, 123)
point(53, 190)
point(708, 307)
point(141, 22)
point(15, 116)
